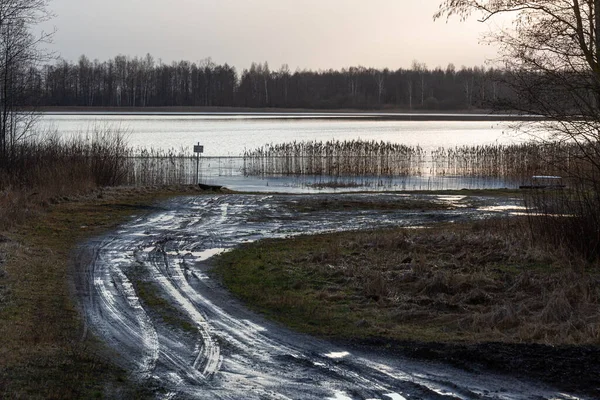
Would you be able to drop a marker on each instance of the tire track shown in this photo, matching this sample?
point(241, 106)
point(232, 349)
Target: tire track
point(235, 353)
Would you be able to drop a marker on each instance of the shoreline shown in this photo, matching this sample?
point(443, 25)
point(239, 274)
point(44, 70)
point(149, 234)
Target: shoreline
point(283, 113)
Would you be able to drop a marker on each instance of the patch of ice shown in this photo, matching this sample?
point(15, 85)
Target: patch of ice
point(395, 396)
point(137, 234)
point(443, 392)
point(200, 276)
point(206, 254)
point(502, 208)
point(451, 198)
point(161, 218)
point(339, 354)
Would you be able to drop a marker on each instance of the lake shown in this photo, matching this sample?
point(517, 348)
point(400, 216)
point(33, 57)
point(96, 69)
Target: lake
point(230, 135)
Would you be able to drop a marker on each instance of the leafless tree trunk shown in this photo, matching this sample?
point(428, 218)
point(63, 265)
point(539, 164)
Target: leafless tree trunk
point(19, 50)
point(552, 53)
point(380, 80)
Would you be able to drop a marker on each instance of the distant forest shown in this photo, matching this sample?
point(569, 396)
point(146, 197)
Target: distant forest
point(144, 82)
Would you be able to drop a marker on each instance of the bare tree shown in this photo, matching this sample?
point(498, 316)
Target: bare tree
point(379, 77)
point(285, 75)
point(19, 51)
point(552, 53)
point(421, 69)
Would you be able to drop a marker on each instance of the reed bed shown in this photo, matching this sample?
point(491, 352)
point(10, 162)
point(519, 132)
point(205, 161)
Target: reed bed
point(98, 159)
point(171, 167)
point(148, 167)
point(48, 167)
point(516, 163)
point(334, 158)
point(513, 164)
point(103, 159)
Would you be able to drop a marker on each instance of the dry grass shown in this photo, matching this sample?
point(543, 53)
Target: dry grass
point(334, 158)
point(474, 282)
point(567, 219)
point(515, 164)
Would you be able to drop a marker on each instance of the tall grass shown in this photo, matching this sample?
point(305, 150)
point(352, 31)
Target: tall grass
point(513, 163)
point(148, 167)
point(567, 219)
point(97, 159)
point(334, 158)
point(516, 162)
point(102, 158)
point(46, 167)
point(53, 163)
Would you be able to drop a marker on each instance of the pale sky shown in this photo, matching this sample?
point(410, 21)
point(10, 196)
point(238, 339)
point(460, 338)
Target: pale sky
point(314, 34)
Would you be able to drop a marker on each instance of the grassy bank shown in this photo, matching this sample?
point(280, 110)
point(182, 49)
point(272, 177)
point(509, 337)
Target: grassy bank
point(469, 283)
point(43, 353)
point(478, 295)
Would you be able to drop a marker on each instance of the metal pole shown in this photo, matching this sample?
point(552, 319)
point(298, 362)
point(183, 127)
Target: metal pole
point(198, 167)
point(198, 150)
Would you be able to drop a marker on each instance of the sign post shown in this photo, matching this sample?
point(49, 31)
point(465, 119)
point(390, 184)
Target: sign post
point(198, 149)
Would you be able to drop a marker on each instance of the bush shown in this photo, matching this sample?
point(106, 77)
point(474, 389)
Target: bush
point(567, 219)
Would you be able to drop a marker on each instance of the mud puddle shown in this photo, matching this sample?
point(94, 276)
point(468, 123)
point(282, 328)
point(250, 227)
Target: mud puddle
point(232, 353)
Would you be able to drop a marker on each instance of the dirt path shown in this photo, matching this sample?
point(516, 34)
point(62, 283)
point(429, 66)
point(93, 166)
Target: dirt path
point(145, 290)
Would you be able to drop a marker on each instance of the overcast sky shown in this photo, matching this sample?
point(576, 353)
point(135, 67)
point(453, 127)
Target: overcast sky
point(315, 34)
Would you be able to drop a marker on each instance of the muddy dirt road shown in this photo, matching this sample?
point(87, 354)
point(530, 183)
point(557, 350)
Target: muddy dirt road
point(227, 352)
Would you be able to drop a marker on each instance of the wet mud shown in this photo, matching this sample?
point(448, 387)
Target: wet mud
point(232, 353)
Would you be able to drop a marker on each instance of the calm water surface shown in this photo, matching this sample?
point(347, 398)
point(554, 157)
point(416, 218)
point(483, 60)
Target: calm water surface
point(226, 134)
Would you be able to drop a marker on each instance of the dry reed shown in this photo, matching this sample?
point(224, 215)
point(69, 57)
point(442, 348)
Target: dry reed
point(514, 164)
point(334, 158)
point(159, 167)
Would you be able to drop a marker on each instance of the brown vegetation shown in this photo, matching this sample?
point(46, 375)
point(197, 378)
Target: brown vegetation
point(157, 167)
point(483, 281)
point(43, 171)
point(515, 163)
point(48, 169)
point(335, 158)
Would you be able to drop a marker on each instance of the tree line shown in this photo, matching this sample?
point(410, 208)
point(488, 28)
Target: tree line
point(145, 82)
